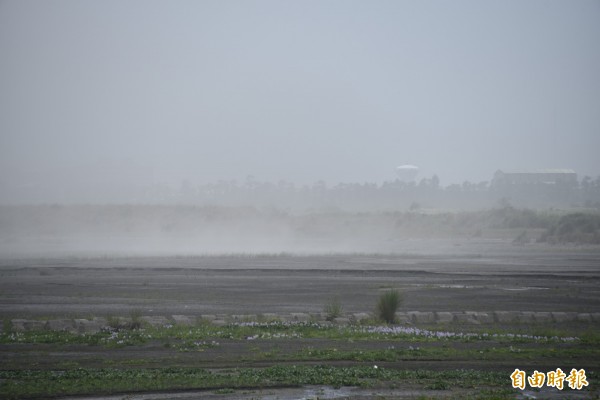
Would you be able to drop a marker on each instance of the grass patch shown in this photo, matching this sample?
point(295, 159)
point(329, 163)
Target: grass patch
point(29, 383)
point(333, 309)
point(388, 305)
point(435, 353)
point(207, 332)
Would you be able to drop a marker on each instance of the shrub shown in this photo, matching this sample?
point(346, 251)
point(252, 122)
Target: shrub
point(333, 309)
point(388, 304)
point(133, 322)
point(7, 326)
point(579, 228)
point(136, 319)
point(522, 238)
point(113, 322)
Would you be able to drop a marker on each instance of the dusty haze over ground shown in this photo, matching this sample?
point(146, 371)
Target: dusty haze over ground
point(98, 99)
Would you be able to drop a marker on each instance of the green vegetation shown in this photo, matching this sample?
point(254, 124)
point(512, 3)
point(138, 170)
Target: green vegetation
point(29, 383)
point(388, 305)
point(136, 319)
point(367, 354)
point(441, 353)
point(284, 330)
point(583, 228)
point(333, 309)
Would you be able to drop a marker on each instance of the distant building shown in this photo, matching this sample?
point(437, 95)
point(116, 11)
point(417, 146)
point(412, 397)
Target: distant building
point(539, 177)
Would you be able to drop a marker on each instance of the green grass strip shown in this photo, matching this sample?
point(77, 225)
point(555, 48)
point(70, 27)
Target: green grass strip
point(37, 384)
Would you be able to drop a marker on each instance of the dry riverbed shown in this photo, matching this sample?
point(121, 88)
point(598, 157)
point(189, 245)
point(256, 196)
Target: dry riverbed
point(553, 292)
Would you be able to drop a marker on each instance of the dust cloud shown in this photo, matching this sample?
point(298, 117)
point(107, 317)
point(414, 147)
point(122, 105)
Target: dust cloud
point(151, 127)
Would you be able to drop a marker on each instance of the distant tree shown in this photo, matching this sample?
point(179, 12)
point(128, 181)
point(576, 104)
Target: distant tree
point(586, 183)
point(435, 182)
point(504, 203)
point(483, 185)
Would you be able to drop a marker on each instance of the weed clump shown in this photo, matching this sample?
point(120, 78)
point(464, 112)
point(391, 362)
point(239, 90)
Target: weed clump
point(136, 319)
point(333, 309)
point(388, 304)
point(522, 238)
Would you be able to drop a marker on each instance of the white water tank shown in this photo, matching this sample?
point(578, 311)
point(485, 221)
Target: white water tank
point(407, 173)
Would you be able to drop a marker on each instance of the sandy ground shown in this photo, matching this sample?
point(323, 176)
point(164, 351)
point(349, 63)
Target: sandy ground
point(476, 277)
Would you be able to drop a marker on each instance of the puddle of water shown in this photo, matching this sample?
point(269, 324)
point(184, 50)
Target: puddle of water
point(302, 393)
point(553, 393)
point(525, 288)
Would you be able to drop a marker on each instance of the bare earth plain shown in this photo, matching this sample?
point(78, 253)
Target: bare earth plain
point(477, 275)
point(484, 277)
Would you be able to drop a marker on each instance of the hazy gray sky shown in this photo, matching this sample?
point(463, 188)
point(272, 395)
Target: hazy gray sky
point(139, 92)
